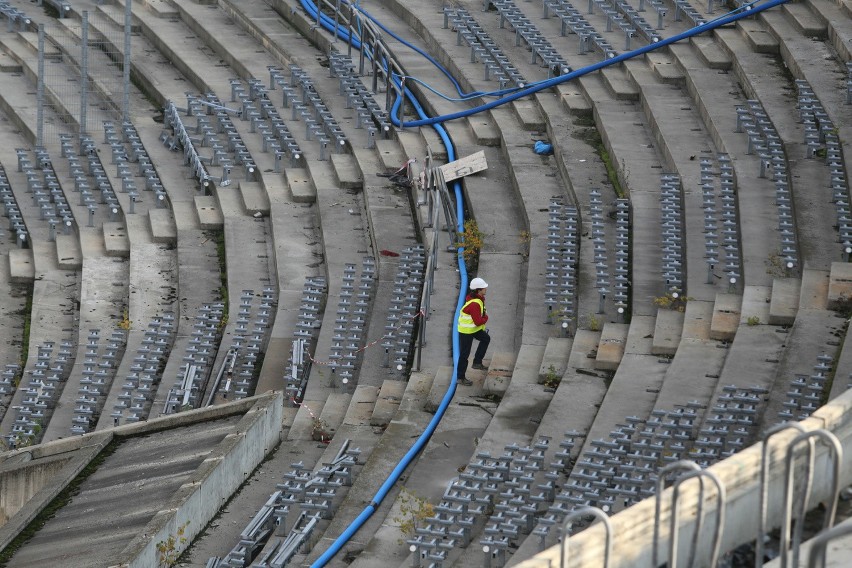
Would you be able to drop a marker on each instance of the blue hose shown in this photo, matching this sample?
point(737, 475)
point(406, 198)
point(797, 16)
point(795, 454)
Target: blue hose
point(600, 65)
point(423, 439)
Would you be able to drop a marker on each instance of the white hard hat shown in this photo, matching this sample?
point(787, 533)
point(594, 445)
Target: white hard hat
point(478, 283)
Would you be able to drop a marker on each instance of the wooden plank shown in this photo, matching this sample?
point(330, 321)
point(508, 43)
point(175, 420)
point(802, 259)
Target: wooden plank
point(464, 166)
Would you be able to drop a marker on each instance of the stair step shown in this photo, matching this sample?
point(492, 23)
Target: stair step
point(434, 143)
point(805, 21)
point(711, 53)
point(333, 412)
point(668, 329)
point(303, 425)
point(529, 115)
point(584, 349)
point(209, 214)
point(785, 301)
point(254, 198)
point(116, 242)
point(697, 320)
point(161, 8)
point(619, 84)
point(162, 225)
point(390, 397)
point(302, 188)
point(758, 37)
point(419, 385)
point(726, 316)
point(500, 371)
point(439, 387)
point(68, 253)
point(665, 69)
point(555, 359)
point(840, 283)
point(361, 406)
point(390, 155)
point(574, 101)
point(21, 267)
point(756, 301)
point(484, 131)
point(815, 287)
point(611, 346)
point(347, 170)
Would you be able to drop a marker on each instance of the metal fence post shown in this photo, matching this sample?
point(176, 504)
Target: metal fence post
point(40, 90)
point(125, 103)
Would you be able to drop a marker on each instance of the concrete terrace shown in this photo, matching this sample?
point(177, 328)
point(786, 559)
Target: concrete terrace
point(666, 284)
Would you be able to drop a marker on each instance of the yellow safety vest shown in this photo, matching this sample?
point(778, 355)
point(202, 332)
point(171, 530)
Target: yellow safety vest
point(466, 324)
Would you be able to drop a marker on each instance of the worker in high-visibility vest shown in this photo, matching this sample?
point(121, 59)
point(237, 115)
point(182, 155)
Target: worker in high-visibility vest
point(471, 325)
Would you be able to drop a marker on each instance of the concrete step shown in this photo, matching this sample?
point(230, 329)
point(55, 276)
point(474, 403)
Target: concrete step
point(840, 284)
point(611, 346)
point(665, 68)
point(412, 144)
point(805, 21)
point(254, 198)
point(619, 84)
point(390, 397)
point(209, 214)
point(758, 37)
point(499, 373)
point(419, 385)
point(303, 425)
point(361, 406)
point(755, 305)
point(555, 359)
point(528, 114)
point(347, 170)
point(438, 388)
point(68, 253)
point(162, 225)
point(784, 303)
point(697, 320)
point(115, 239)
point(333, 412)
point(711, 53)
point(668, 329)
point(726, 316)
point(523, 404)
point(814, 291)
point(584, 349)
point(484, 130)
point(390, 155)
point(21, 267)
point(160, 8)
point(573, 99)
point(301, 186)
point(433, 142)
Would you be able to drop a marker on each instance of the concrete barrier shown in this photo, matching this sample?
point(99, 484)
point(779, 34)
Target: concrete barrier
point(212, 484)
point(739, 474)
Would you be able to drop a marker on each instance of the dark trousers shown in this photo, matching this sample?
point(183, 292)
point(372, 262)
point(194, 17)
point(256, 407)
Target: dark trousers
point(466, 343)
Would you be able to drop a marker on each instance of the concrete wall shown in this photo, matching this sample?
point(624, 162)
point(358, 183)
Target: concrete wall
point(35, 475)
point(633, 528)
point(201, 497)
point(19, 484)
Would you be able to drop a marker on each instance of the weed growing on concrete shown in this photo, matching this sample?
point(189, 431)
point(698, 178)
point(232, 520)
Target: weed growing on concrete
point(472, 240)
point(671, 302)
point(413, 510)
point(168, 551)
point(594, 322)
point(551, 378)
point(752, 321)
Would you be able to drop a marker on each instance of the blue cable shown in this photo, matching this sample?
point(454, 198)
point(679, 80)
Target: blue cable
point(542, 85)
point(423, 439)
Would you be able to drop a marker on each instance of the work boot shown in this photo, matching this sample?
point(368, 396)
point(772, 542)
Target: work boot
point(479, 367)
point(466, 382)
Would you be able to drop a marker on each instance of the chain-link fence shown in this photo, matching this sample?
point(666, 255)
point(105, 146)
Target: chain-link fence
point(83, 79)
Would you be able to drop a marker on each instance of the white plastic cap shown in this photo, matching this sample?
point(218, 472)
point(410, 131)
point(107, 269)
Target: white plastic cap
point(478, 283)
